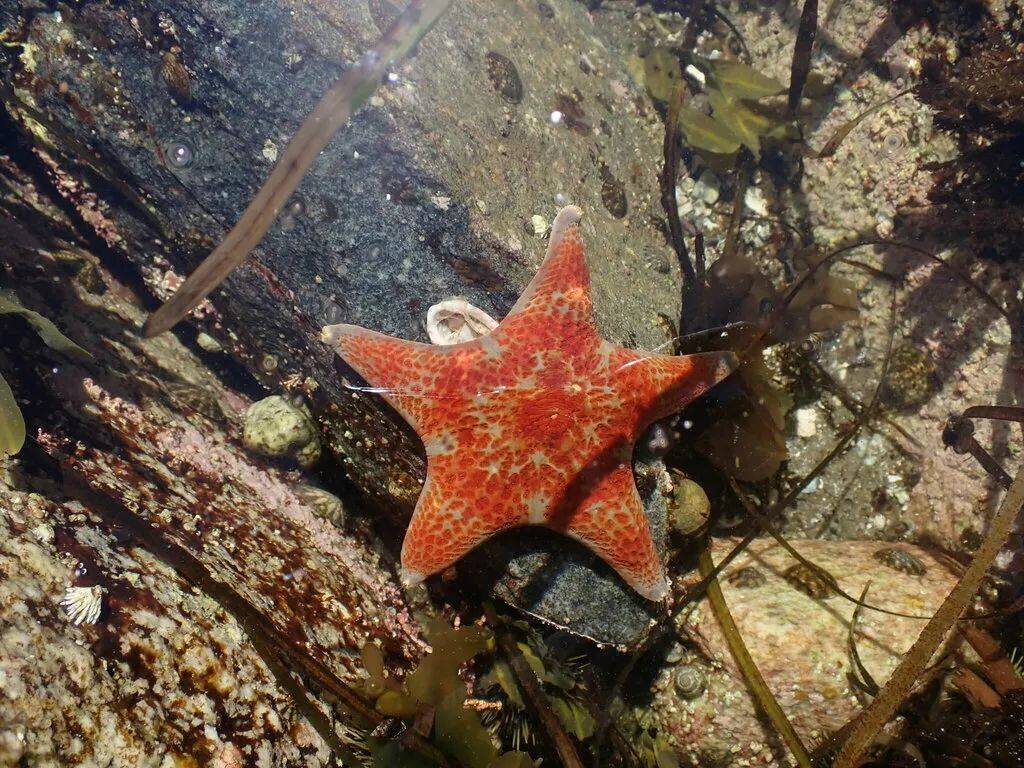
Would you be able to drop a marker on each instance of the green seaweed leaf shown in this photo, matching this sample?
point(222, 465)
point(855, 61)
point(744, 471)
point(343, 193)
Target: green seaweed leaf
point(501, 675)
point(575, 718)
point(512, 760)
point(10, 304)
point(391, 754)
point(745, 123)
point(438, 673)
point(12, 423)
point(707, 133)
point(459, 733)
point(742, 81)
point(396, 704)
point(373, 663)
point(664, 755)
point(661, 73)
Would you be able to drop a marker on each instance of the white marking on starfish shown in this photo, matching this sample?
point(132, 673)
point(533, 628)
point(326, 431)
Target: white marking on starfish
point(491, 348)
point(536, 508)
point(441, 445)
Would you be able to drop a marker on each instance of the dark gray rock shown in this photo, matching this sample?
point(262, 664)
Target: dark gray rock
point(165, 119)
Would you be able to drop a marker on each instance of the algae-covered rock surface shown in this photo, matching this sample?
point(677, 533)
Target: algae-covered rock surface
point(163, 122)
point(798, 634)
point(202, 532)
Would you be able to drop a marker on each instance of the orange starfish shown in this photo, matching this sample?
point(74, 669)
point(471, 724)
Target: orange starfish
point(532, 424)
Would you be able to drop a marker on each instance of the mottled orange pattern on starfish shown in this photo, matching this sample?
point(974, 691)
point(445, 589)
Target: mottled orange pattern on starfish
point(533, 424)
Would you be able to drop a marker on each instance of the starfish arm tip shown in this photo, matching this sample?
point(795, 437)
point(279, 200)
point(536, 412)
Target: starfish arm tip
point(411, 578)
point(727, 364)
point(331, 335)
point(564, 219)
point(655, 592)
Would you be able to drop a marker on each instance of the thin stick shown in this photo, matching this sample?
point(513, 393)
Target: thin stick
point(667, 180)
point(867, 725)
point(534, 694)
point(998, 668)
point(343, 99)
point(758, 686)
point(732, 233)
point(805, 35)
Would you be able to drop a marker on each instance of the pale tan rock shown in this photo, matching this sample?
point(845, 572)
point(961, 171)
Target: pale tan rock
point(798, 643)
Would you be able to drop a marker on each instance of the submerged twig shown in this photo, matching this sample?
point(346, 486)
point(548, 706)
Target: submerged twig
point(667, 180)
point(978, 692)
point(998, 668)
point(844, 130)
point(865, 681)
point(732, 233)
point(534, 695)
point(344, 98)
point(805, 35)
point(867, 725)
point(755, 680)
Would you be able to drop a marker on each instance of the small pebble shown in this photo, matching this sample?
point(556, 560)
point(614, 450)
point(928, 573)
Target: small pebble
point(754, 200)
point(806, 422)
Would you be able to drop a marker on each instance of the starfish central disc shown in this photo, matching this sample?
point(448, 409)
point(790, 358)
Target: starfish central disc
point(532, 424)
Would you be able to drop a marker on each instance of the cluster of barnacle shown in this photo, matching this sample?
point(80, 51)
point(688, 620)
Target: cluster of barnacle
point(432, 699)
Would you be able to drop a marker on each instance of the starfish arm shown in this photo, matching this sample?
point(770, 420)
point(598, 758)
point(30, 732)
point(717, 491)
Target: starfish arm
point(560, 291)
point(404, 372)
point(660, 385)
point(611, 522)
point(446, 525)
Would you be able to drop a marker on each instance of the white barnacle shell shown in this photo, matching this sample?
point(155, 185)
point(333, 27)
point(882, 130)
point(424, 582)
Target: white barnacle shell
point(454, 321)
point(83, 604)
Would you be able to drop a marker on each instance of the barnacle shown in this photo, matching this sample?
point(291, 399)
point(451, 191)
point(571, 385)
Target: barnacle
point(83, 604)
point(813, 583)
point(900, 560)
point(454, 321)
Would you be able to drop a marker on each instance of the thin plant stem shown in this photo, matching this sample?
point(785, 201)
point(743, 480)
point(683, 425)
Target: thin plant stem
point(755, 680)
point(334, 109)
point(868, 724)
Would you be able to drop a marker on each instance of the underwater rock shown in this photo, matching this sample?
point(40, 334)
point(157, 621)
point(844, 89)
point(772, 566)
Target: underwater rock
point(798, 642)
point(374, 245)
point(561, 583)
point(204, 583)
point(277, 428)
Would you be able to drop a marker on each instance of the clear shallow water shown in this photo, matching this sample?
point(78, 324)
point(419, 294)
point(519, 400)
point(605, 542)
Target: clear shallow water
point(893, 183)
